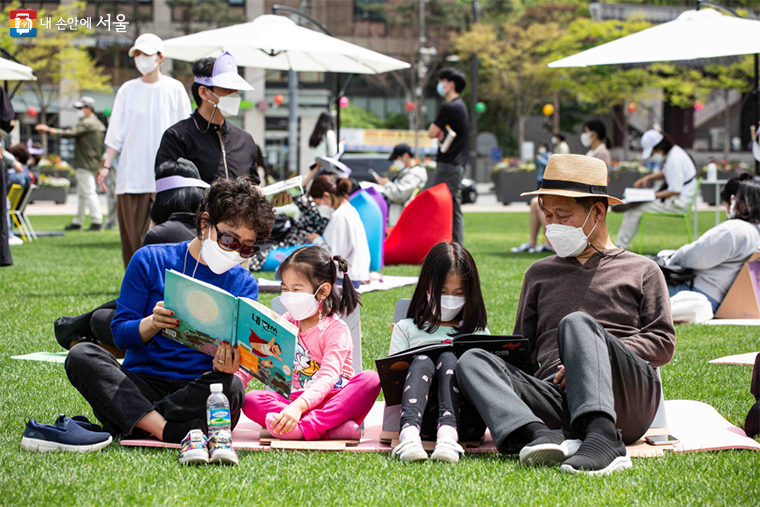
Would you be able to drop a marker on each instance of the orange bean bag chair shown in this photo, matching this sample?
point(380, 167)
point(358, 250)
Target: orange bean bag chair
point(425, 222)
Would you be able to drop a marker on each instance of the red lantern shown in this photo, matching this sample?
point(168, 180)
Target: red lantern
point(699, 105)
point(343, 102)
point(632, 108)
point(279, 99)
point(31, 112)
point(411, 106)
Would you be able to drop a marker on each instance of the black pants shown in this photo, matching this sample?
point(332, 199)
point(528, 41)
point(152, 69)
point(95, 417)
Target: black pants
point(100, 325)
point(120, 398)
point(452, 175)
point(432, 398)
point(601, 375)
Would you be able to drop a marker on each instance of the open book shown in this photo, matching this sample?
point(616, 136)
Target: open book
point(631, 195)
point(393, 369)
point(292, 186)
point(209, 315)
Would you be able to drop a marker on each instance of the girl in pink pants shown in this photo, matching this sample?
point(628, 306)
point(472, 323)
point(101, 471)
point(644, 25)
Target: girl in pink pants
point(328, 400)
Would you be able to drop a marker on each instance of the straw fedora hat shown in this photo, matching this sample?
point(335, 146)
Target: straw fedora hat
point(575, 176)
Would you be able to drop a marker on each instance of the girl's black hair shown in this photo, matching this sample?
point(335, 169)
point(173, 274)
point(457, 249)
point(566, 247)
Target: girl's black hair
point(186, 199)
point(441, 260)
point(315, 263)
point(748, 201)
point(597, 125)
point(665, 145)
point(325, 122)
point(732, 186)
point(340, 187)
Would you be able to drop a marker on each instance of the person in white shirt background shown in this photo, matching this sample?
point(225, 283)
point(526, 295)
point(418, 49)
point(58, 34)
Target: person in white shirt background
point(143, 109)
point(405, 177)
point(323, 141)
point(679, 173)
point(344, 235)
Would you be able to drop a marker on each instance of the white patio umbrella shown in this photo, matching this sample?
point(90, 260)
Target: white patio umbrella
point(276, 42)
point(693, 35)
point(12, 71)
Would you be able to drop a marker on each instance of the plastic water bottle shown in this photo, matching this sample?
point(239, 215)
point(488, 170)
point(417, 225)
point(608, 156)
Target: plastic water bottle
point(712, 171)
point(217, 410)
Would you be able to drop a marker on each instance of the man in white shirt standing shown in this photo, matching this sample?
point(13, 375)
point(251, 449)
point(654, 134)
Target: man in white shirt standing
point(143, 109)
point(680, 175)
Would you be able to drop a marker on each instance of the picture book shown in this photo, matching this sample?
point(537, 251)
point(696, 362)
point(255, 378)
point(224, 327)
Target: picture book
point(393, 369)
point(209, 315)
point(292, 186)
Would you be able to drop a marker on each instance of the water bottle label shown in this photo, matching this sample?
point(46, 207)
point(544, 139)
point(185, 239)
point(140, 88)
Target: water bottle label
point(218, 417)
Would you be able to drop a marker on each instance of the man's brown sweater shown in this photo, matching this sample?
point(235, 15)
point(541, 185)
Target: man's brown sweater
point(624, 292)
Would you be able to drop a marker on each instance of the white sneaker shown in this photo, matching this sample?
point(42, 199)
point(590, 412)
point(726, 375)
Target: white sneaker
point(410, 449)
point(15, 241)
point(447, 449)
point(619, 463)
point(525, 247)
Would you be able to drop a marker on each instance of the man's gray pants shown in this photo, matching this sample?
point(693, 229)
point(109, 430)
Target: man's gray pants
point(452, 176)
point(601, 375)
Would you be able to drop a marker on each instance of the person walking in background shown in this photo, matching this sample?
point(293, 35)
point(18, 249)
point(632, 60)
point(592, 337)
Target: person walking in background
point(594, 136)
point(679, 173)
point(218, 148)
point(542, 158)
point(143, 109)
point(323, 141)
point(405, 179)
point(536, 215)
point(559, 146)
point(88, 134)
point(453, 154)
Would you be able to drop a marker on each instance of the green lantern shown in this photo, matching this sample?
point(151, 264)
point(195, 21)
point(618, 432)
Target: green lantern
point(107, 112)
point(480, 107)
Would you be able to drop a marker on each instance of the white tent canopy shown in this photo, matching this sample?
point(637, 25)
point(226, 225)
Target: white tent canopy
point(12, 71)
point(276, 42)
point(693, 35)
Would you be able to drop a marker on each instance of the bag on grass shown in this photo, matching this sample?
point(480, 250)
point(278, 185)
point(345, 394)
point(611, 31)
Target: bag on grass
point(690, 308)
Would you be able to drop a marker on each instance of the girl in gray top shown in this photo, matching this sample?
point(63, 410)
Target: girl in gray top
point(718, 256)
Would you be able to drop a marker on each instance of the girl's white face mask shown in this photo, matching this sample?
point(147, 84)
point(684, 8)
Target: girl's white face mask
point(300, 305)
point(568, 241)
point(586, 139)
point(450, 306)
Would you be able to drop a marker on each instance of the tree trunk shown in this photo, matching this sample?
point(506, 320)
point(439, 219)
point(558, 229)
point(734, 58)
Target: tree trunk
point(625, 136)
point(726, 126)
point(555, 97)
point(520, 130)
point(43, 120)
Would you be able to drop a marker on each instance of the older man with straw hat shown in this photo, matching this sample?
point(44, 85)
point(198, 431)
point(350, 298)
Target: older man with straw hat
point(598, 320)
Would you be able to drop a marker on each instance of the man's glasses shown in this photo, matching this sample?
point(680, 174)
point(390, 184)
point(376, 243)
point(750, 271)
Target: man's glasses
point(230, 243)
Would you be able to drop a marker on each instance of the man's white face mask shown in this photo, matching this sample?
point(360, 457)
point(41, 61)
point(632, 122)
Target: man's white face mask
point(569, 241)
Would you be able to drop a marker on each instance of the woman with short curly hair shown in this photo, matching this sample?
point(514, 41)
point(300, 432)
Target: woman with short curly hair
point(162, 386)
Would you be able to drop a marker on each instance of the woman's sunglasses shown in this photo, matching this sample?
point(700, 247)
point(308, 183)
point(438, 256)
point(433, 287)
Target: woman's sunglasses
point(230, 243)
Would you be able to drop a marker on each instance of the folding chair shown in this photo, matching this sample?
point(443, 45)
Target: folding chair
point(685, 216)
point(20, 211)
point(15, 196)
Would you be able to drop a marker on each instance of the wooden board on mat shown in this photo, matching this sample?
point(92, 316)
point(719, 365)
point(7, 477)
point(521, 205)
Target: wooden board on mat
point(266, 438)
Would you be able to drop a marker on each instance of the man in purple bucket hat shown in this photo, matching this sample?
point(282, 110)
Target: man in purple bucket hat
point(217, 147)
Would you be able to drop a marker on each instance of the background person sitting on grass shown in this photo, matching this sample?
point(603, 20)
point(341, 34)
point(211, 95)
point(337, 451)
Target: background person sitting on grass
point(162, 387)
point(599, 322)
point(720, 253)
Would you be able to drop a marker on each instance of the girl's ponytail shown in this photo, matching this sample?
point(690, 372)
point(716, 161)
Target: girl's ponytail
point(350, 298)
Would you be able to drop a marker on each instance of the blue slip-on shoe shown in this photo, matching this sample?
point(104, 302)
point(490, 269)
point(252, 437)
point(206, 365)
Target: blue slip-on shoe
point(65, 435)
point(86, 424)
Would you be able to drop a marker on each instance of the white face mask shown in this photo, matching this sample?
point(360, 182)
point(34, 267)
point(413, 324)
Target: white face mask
point(80, 114)
point(732, 208)
point(229, 105)
point(300, 305)
point(219, 261)
point(399, 165)
point(586, 139)
point(542, 150)
point(568, 241)
point(325, 210)
point(555, 140)
point(450, 306)
point(656, 157)
point(146, 63)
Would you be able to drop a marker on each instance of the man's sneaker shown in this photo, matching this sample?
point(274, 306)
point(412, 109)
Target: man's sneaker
point(546, 247)
point(548, 451)
point(525, 247)
point(15, 241)
point(73, 227)
point(194, 449)
point(221, 450)
point(95, 227)
point(598, 455)
point(447, 449)
point(409, 450)
point(65, 435)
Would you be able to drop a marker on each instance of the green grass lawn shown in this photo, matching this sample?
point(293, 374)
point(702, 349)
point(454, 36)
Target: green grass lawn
point(75, 273)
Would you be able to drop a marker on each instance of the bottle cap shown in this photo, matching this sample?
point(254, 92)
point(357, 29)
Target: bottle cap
point(217, 388)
